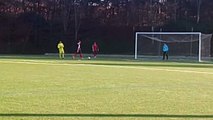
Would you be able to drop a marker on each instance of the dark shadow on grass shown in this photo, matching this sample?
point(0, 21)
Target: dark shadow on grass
point(105, 115)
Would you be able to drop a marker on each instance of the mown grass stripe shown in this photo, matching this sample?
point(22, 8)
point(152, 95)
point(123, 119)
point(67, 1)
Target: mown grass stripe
point(114, 66)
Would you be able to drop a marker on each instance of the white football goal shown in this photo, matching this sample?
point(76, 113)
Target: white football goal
point(182, 45)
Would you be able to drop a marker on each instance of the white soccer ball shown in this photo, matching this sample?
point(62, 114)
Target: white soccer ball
point(89, 58)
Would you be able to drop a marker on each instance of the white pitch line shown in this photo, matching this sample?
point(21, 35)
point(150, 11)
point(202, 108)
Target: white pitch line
point(33, 62)
point(154, 69)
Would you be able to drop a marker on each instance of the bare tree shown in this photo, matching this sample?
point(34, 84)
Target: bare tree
point(198, 10)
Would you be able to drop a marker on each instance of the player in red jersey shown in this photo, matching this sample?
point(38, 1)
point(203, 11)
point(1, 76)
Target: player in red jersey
point(78, 51)
point(95, 49)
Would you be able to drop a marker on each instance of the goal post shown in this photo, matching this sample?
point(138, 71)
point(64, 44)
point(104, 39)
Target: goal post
point(181, 44)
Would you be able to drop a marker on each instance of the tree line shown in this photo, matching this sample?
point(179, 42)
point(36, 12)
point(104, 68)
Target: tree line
point(35, 26)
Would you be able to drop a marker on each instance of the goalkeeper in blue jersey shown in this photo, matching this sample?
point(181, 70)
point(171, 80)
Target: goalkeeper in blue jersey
point(165, 51)
point(60, 47)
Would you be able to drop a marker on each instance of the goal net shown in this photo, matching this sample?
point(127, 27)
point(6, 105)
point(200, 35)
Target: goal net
point(182, 45)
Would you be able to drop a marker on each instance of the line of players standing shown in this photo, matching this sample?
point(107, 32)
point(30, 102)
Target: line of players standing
point(60, 46)
point(95, 50)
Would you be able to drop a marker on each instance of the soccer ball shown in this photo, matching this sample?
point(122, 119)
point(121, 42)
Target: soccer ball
point(89, 58)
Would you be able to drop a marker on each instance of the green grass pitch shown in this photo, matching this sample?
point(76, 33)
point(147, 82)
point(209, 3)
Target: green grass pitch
point(39, 88)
